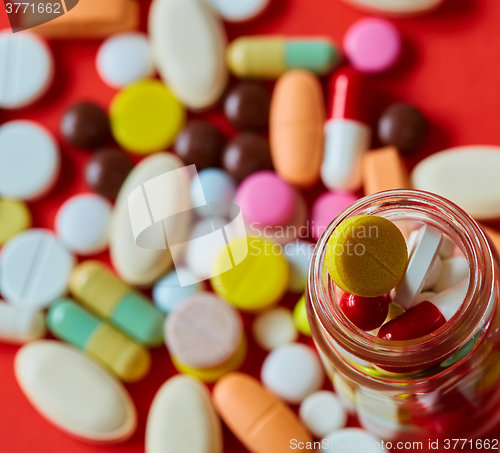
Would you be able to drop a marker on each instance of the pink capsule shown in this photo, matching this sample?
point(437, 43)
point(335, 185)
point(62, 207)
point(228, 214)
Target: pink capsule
point(366, 313)
point(418, 321)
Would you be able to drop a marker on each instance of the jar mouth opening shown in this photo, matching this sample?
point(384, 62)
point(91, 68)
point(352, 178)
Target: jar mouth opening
point(472, 316)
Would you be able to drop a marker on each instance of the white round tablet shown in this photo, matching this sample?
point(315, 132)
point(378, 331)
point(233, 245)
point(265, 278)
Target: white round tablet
point(82, 224)
point(168, 294)
point(215, 186)
point(344, 439)
point(274, 328)
point(322, 412)
point(27, 69)
point(292, 372)
point(124, 59)
point(29, 160)
point(298, 255)
point(239, 10)
point(34, 269)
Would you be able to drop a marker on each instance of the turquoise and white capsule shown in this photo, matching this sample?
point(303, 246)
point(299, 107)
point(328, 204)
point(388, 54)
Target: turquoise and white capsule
point(269, 57)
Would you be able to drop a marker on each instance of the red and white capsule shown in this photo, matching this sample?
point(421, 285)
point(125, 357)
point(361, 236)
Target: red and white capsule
point(347, 132)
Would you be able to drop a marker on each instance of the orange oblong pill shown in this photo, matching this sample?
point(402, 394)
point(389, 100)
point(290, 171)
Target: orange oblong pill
point(260, 420)
point(297, 121)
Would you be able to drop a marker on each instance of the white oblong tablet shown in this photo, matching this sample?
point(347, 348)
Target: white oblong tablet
point(274, 328)
point(34, 269)
point(124, 58)
point(188, 43)
point(74, 393)
point(29, 160)
point(239, 10)
point(467, 176)
point(27, 69)
point(298, 255)
point(344, 439)
point(322, 412)
point(182, 419)
point(454, 270)
point(20, 325)
point(82, 223)
point(292, 372)
point(396, 7)
point(434, 273)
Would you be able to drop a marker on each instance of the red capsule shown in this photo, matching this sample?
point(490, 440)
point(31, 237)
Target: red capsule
point(418, 321)
point(366, 313)
point(348, 96)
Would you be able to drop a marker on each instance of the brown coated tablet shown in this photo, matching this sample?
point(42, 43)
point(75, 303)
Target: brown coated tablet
point(260, 420)
point(85, 126)
point(106, 172)
point(247, 106)
point(203, 331)
point(199, 144)
point(402, 126)
point(247, 154)
point(297, 128)
point(383, 169)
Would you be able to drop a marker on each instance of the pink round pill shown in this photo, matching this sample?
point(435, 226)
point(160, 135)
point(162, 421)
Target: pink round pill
point(326, 208)
point(266, 199)
point(372, 45)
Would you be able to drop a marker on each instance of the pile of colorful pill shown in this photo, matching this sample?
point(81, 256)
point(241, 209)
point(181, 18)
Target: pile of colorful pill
point(402, 285)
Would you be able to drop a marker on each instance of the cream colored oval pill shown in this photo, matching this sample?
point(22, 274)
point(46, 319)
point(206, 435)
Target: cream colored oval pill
point(466, 175)
point(75, 393)
point(396, 7)
point(136, 265)
point(188, 43)
point(296, 128)
point(182, 419)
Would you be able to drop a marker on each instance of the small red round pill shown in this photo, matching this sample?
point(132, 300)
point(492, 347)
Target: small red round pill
point(418, 321)
point(366, 313)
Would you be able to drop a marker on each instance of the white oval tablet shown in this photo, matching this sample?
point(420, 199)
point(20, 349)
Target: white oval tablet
point(75, 393)
point(292, 372)
point(20, 325)
point(467, 175)
point(239, 10)
point(343, 439)
point(82, 224)
point(188, 43)
point(29, 160)
point(34, 269)
point(274, 328)
point(298, 255)
point(396, 7)
point(182, 419)
point(27, 69)
point(136, 265)
point(454, 270)
point(124, 58)
point(322, 413)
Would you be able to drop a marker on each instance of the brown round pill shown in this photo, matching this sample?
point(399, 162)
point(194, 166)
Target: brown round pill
point(247, 106)
point(402, 126)
point(86, 126)
point(247, 154)
point(199, 144)
point(106, 172)
point(203, 331)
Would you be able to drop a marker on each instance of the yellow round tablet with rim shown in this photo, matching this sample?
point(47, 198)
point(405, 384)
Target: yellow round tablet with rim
point(300, 317)
point(258, 282)
point(367, 255)
point(14, 218)
point(146, 117)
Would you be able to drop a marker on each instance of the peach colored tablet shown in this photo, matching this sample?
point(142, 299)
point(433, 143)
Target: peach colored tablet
point(383, 169)
point(296, 127)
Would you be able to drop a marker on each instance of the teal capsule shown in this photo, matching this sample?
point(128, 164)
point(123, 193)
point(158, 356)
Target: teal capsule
point(270, 57)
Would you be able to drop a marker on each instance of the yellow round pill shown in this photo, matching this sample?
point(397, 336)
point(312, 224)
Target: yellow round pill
point(367, 256)
point(300, 317)
point(258, 281)
point(146, 117)
point(14, 218)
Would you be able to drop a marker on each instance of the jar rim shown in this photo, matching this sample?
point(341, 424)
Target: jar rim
point(473, 315)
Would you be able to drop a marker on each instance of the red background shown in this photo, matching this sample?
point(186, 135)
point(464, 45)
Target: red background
point(450, 70)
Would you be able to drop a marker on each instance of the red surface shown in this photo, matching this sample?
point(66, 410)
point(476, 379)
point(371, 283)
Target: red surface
point(450, 70)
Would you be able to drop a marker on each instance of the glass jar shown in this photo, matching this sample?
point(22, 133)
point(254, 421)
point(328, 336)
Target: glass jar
point(455, 391)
